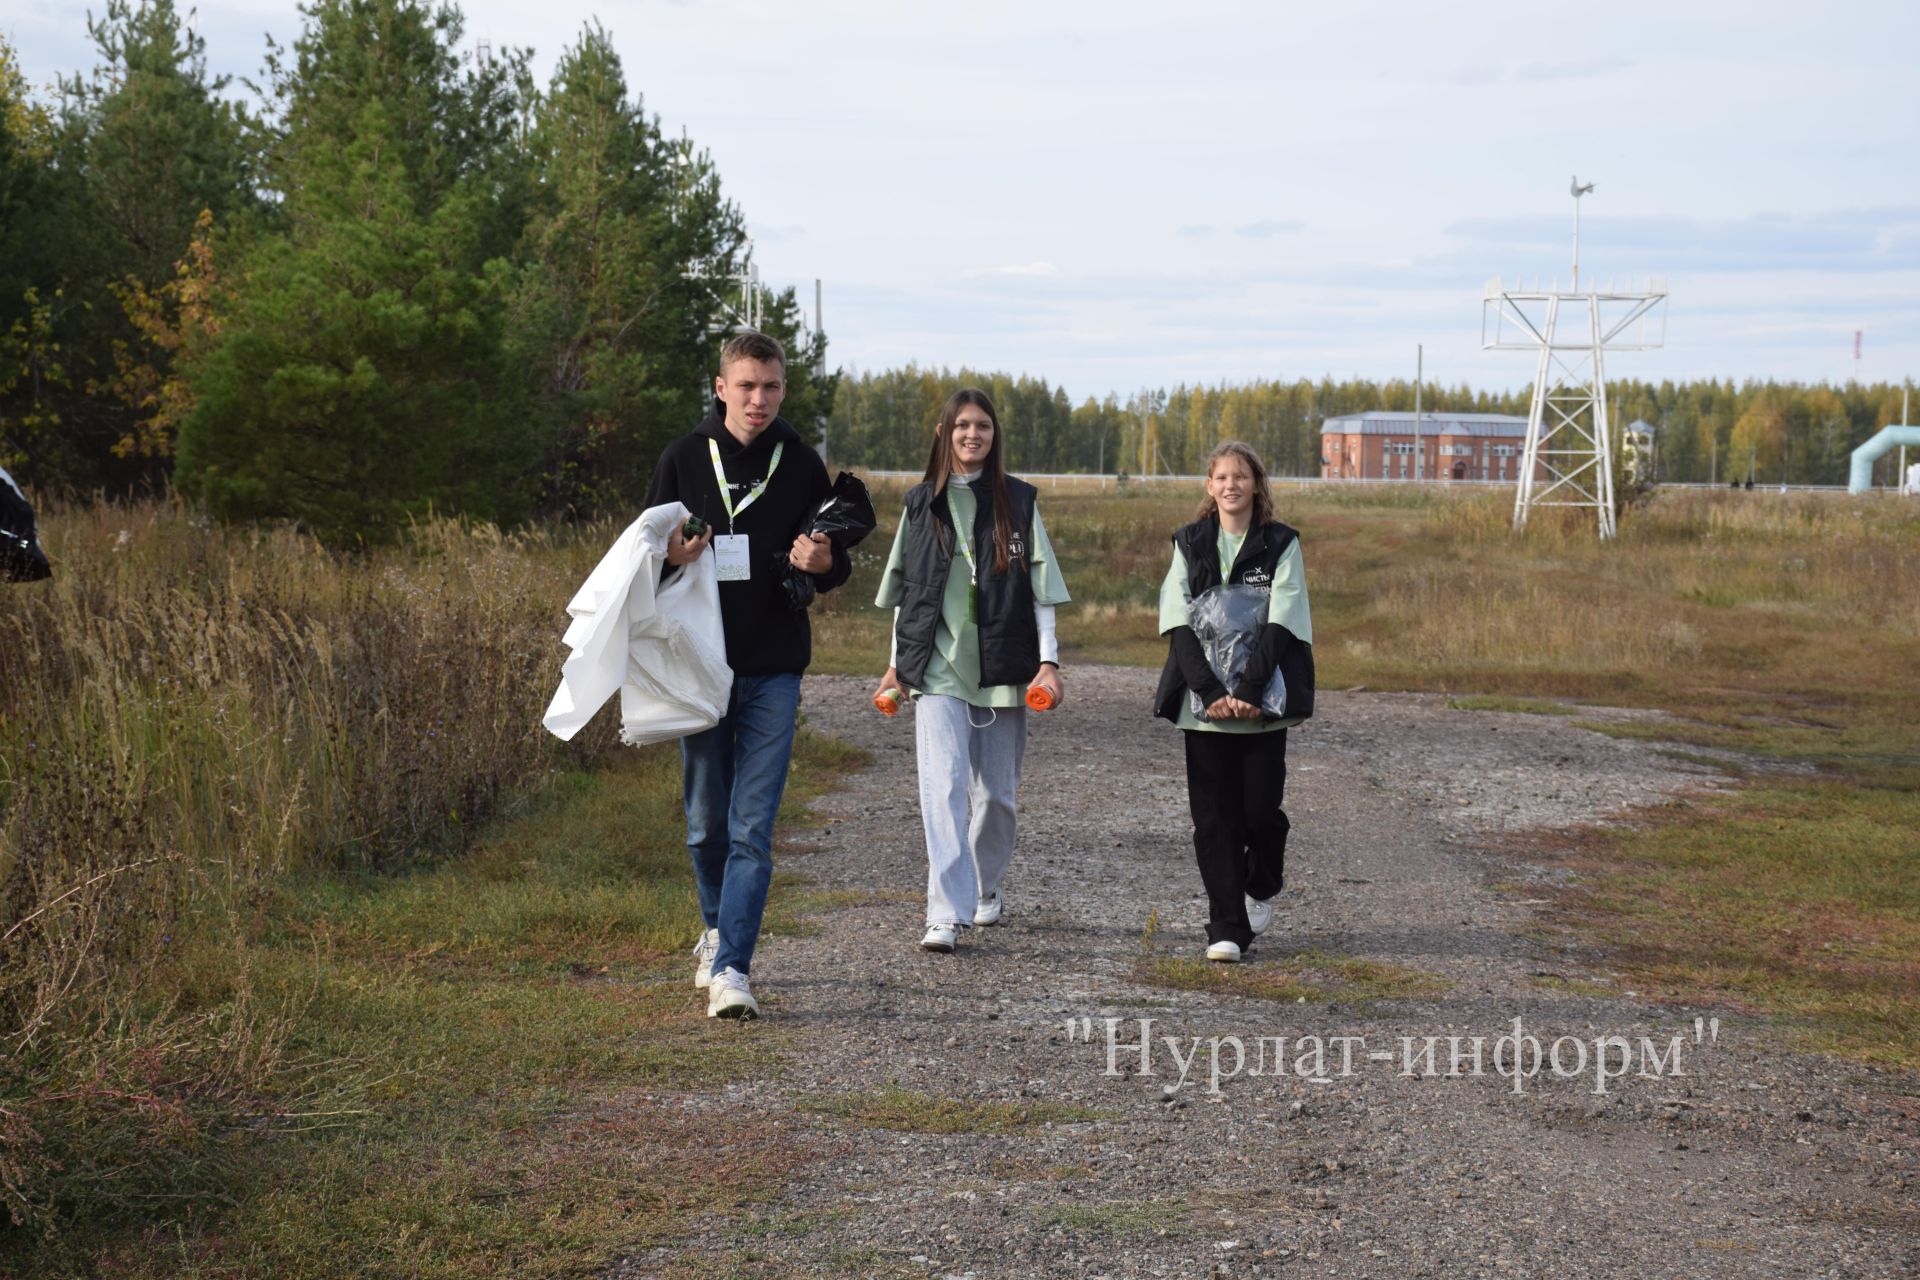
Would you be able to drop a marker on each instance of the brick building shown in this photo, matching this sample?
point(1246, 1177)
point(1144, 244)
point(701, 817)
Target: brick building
point(1457, 446)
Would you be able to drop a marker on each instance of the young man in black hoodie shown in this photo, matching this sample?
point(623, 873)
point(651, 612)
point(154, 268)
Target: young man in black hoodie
point(756, 483)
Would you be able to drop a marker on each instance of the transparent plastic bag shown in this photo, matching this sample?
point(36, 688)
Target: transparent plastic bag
point(1227, 621)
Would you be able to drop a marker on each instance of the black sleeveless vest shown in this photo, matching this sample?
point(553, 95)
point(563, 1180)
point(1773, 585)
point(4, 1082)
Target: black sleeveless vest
point(1009, 640)
point(1259, 557)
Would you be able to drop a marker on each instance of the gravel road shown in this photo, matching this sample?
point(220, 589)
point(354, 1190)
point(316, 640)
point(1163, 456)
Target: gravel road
point(1754, 1162)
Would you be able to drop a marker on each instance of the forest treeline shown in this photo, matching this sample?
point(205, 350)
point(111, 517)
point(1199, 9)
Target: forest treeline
point(398, 275)
point(1705, 430)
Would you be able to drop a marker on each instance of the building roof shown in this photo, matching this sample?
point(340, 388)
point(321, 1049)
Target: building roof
point(1380, 422)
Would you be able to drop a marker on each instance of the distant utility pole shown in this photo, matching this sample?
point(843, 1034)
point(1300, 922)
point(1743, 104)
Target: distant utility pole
point(1419, 376)
point(1900, 481)
point(1578, 191)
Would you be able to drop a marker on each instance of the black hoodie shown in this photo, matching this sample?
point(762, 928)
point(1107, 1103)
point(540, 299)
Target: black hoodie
point(764, 636)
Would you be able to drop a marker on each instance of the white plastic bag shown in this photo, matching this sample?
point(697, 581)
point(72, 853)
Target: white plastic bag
point(660, 644)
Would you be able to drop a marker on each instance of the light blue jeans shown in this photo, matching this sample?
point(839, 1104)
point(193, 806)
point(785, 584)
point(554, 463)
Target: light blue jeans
point(733, 776)
point(969, 777)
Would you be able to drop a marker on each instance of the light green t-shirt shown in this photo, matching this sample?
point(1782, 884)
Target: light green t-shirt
point(1286, 605)
point(954, 668)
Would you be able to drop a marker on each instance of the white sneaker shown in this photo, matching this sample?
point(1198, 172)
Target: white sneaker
point(988, 912)
point(940, 937)
point(703, 953)
point(729, 996)
point(1224, 953)
point(1259, 913)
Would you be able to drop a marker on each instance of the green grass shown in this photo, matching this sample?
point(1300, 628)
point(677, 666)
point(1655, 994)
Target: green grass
point(1799, 899)
point(1525, 706)
point(1016, 1170)
point(909, 1112)
point(497, 1040)
point(1120, 1217)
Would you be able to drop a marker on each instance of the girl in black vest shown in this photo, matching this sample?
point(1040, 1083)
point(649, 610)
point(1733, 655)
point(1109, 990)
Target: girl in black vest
point(973, 584)
point(1237, 754)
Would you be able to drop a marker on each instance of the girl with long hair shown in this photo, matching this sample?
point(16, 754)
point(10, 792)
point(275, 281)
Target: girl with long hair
point(973, 584)
point(1236, 750)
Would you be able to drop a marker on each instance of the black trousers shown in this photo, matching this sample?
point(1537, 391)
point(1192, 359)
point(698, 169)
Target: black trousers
point(1235, 783)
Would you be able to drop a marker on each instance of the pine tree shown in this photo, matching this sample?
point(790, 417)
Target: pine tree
point(161, 145)
point(608, 326)
point(34, 379)
point(145, 145)
point(360, 377)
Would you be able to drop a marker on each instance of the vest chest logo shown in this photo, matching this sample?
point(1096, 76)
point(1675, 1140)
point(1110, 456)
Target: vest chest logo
point(1016, 548)
point(1257, 578)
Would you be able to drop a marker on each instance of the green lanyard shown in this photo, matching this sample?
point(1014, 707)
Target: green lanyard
point(973, 569)
point(726, 495)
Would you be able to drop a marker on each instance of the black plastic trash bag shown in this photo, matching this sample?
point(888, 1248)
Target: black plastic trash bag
point(845, 518)
point(1227, 621)
point(21, 559)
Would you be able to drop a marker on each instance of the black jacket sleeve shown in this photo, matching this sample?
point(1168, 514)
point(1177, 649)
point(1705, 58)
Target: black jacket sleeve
point(1194, 667)
point(1263, 662)
point(842, 570)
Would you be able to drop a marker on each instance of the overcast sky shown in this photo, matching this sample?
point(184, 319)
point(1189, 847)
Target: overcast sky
point(1120, 195)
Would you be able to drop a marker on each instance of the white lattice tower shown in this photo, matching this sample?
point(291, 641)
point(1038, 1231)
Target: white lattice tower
point(1568, 458)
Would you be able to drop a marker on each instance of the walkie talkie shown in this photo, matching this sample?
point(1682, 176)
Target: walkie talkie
point(694, 527)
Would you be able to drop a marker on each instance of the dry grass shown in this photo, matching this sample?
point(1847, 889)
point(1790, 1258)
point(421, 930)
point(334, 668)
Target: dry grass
point(227, 759)
point(1798, 898)
point(1312, 977)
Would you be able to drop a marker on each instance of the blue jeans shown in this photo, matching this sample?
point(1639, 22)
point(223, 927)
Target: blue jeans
point(732, 778)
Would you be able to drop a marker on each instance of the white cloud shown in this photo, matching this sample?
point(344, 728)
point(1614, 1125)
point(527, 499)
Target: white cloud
point(1018, 269)
point(1262, 230)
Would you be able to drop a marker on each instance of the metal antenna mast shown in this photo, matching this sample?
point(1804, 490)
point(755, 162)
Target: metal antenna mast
point(1568, 459)
point(1578, 191)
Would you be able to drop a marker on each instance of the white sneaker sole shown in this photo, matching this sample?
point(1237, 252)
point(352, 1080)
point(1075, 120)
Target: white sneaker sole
point(1224, 953)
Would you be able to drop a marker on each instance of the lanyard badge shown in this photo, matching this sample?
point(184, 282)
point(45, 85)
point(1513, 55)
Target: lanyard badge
point(732, 557)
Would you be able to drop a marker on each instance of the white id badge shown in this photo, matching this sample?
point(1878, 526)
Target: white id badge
point(730, 555)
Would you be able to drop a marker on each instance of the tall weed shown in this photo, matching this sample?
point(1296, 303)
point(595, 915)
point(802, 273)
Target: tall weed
point(187, 713)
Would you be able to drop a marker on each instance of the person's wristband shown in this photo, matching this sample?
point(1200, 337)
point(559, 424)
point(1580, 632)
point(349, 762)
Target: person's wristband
point(1046, 663)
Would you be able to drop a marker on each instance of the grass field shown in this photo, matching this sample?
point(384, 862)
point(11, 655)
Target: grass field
point(309, 934)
